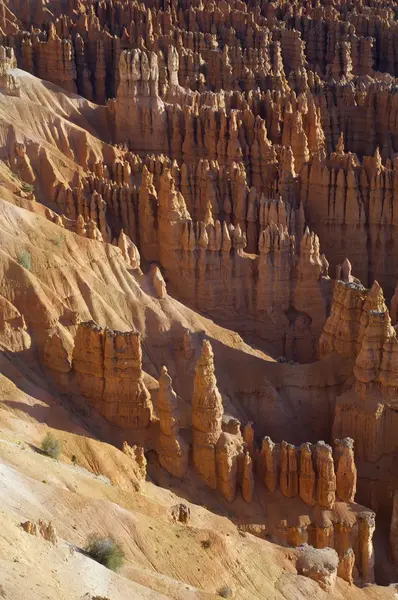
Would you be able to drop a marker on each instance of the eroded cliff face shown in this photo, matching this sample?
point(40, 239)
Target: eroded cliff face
point(238, 158)
point(106, 368)
point(254, 122)
point(360, 327)
point(311, 499)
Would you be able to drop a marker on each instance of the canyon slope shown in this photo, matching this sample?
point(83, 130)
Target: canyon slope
point(198, 298)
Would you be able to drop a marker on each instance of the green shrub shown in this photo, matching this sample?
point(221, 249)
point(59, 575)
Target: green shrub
point(225, 592)
point(27, 187)
point(51, 446)
point(25, 260)
point(58, 240)
point(106, 552)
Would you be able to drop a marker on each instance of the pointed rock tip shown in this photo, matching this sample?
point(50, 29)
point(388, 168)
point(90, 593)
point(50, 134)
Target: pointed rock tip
point(207, 350)
point(376, 289)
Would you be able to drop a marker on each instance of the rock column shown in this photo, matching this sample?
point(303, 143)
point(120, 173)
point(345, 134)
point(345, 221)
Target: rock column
point(207, 411)
point(173, 451)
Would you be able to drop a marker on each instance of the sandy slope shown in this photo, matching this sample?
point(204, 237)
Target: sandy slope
point(163, 559)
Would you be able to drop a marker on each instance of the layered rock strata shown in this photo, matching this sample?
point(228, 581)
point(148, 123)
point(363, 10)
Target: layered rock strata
point(309, 471)
point(220, 457)
point(207, 411)
point(326, 484)
point(173, 451)
point(107, 366)
point(359, 331)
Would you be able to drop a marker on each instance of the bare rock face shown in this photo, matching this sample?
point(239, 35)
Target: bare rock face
point(158, 282)
point(270, 464)
point(346, 472)
point(30, 527)
point(394, 529)
point(173, 451)
point(7, 80)
point(319, 565)
point(248, 438)
point(229, 452)
point(136, 453)
point(55, 60)
point(140, 113)
point(56, 356)
point(308, 471)
point(346, 566)
point(346, 325)
point(45, 530)
point(181, 513)
point(366, 411)
point(107, 365)
point(307, 477)
point(231, 175)
point(326, 478)
point(288, 475)
point(247, 479)
point(367, 556)
point(207, 411)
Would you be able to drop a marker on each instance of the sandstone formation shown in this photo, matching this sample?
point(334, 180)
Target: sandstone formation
point(346, 566)
point(360, 329)
point(181, 513)
point(45, 530)
point(207, 410)
point(179, 172)
point(107, 368)
point(173, 451)
point(346, 472)
point(220, 457)
point(137, 454)
point(257, 136)
point(394, 529)
point(319, 565)
point(247, 478)
point(309, 471)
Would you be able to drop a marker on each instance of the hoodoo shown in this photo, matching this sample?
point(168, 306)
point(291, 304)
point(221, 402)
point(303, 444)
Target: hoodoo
point(198, 299)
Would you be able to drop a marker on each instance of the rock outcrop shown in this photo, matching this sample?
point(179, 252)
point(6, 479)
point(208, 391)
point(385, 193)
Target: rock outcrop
point(319, 565)
point(220, 457)
point(45, 530)
point(394, 529)
point(346, 471)
point(108, 370)
point(136, 453)
point(173, 451)
point(309, 471)
point(247, 153)
point(207, 411)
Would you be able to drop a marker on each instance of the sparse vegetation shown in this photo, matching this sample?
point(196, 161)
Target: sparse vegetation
point(106, 552)
point(58, 240)
point(225, 592)
point(74, 459)
point(51, 446)
point(24, 259)
point(206, 544)
point(27, 187)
